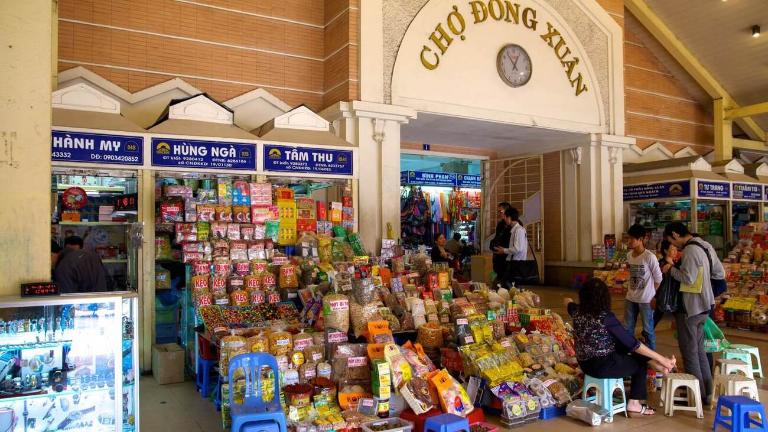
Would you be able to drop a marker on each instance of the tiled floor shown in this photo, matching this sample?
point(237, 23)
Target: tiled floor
point(179, 407)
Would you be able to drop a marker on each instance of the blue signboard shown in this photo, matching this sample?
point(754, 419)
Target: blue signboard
point(421, 178)
point(183, 153)
point(468, 181)
point(96, 148)
point(680, 189)
point(313, 160)
point(747, 191)
point(713, 189)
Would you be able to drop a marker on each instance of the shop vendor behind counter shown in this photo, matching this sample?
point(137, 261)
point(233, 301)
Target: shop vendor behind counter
point(76, 270)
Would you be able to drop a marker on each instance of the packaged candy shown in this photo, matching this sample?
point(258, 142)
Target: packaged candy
point(163, 247)
point(171, 211)
point(241, 214)
point(233, 231)
point(203, 231)
point(190, 210)
point(238, 250)
point(186, 232)
point(453, 398)
point(247, 232)
point(280, 343)
point(239, 297)
point(288, 277)
point(206, 213)
point(223, 213)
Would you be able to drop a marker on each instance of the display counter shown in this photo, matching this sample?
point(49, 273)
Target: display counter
point(69, 362)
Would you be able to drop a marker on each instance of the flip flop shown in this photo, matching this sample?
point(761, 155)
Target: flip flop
point(645, 411)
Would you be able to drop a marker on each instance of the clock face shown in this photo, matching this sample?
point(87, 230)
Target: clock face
point(514, 65)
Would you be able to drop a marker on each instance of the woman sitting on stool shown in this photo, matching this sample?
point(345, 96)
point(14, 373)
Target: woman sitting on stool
point(605, 349)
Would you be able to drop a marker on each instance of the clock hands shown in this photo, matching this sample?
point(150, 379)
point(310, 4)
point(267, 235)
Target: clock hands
point(514, 61)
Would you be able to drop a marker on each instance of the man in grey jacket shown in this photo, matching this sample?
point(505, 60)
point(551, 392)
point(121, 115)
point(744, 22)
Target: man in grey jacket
point(690, 322)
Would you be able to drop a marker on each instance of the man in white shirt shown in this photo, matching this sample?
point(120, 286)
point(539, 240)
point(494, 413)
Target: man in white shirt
point(517, 250)
point(644, 279)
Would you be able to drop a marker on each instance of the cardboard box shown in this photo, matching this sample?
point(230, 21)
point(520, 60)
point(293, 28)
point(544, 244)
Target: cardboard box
point(482, 266)
point(168, 363)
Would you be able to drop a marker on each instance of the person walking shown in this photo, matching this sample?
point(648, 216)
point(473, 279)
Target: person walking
point(500, 238)
point(698, 267)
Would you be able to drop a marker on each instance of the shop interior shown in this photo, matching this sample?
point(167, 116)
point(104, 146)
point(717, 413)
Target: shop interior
point(100, 207)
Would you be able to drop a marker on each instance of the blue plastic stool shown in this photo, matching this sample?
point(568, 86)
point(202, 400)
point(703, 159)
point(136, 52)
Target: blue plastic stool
point(739, 420)
point(203, 376)
point(446, 423)
point(262, 426)
point(254, 408)
point(217, 395)
point(604, 388)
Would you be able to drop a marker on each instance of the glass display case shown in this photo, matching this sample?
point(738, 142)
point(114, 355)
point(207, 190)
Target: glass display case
point(68, 363)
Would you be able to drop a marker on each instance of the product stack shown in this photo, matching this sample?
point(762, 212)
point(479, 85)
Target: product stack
point(746, 270)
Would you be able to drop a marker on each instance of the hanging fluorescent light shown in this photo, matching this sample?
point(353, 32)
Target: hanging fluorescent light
point(755, 31)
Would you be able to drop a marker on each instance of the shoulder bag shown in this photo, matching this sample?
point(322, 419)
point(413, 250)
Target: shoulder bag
point(719, 286)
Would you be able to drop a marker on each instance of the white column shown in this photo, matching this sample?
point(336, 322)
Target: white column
point(375, 129)
point(592, 193)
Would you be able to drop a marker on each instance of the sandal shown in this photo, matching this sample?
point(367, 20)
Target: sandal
point(645, 410)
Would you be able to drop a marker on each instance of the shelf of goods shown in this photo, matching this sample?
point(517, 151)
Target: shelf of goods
point(356, 336)
point(746, 267)
point(68, 363)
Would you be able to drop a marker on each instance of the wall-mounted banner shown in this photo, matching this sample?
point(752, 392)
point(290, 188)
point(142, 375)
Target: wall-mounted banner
point(468, 181)
point(96, 148)
point(747, 191)
point(680, 189)
point(713, 189)
point(184, 153)
point(313, 160)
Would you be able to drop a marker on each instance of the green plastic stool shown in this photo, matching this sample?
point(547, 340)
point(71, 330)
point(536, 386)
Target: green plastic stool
point(757, 367)
point(737, 354)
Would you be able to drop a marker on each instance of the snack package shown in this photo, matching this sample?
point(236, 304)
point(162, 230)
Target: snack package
point(171, 210)
point(398, 365)
point(206, 213)
point(453, 398)
point(416, 394)
point(163, 247)
point(336, 312)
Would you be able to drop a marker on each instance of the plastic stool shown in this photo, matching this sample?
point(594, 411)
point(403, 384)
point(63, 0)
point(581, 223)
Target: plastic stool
point(217, 395)
point(737, 354)
point(739, 420)
point(203, 376)
point(604, 388)
point(671, 383)
point(757, 367)
point(735, 385)
point(446, 423)
point(729, 366)
point(260, 426)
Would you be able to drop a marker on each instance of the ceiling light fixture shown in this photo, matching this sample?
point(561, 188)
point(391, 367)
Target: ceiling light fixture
point(755, 31)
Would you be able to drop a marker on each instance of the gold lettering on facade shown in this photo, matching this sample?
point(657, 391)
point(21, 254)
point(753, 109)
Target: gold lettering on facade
point(500, 11)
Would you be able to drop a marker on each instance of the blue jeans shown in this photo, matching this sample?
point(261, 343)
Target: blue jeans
point(631, 311)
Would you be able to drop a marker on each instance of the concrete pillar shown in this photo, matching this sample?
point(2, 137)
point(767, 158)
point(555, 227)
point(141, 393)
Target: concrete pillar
point(25, 142)
point(375, 129)
point(592, 193)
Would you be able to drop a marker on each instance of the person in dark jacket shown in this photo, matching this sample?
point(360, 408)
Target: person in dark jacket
point(605, 349)
point(501, 238)
point(78, 270)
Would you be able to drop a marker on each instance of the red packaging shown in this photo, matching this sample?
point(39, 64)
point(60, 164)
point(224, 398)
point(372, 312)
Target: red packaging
point(242, 267)
point(322, 213)
point(257, 297)
point(222, 268)
point(171, 211)
point(201, 267)
point(273, 297)
point(303, 225)
point(269, 281)
point(346, 201)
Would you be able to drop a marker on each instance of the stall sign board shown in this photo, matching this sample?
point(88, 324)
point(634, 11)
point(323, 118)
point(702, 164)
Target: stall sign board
point(713, 189)
point(747, 191)
point(184, 153)
point(679, 189)
point(312, 160)
point(422, 178)
point(96, 148)
point(765, 193)
point(468, 181)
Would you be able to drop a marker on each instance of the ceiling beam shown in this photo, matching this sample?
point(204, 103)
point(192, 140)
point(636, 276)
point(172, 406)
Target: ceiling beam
point(690, 63)
point(746, 144)
point(746, 111)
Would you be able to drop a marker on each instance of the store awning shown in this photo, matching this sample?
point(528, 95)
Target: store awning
point(299, 136)
point(93, 120)
point(693, 167)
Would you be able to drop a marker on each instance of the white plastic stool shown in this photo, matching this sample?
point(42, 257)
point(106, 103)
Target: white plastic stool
point(757, 367)
point(735, 385)
point(671, 383)
point(728, 366)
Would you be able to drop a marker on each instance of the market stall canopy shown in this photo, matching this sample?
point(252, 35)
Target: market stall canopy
point(85, 107)
point(300, 125)
point(671, 169)
point(199, 115)
point(732, 170)
point(757, 171)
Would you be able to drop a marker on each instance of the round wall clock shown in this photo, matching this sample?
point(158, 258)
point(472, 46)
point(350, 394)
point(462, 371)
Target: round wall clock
point(514, 65)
